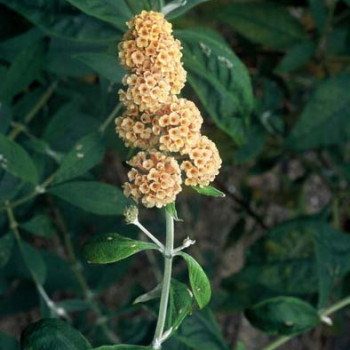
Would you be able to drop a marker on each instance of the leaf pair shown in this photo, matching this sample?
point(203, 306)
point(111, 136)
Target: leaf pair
point(112, 247)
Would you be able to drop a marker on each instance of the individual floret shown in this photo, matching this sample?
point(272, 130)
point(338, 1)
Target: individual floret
point(155, 179)
point(203, 164)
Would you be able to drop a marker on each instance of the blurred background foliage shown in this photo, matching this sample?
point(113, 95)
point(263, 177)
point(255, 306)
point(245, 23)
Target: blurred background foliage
point(272, 81)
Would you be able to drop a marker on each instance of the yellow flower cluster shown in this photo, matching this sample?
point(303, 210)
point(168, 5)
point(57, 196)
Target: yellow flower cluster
point(155, 179)
point(156, 120)
point(203, 164)
point(153, 56)
point(175, 127)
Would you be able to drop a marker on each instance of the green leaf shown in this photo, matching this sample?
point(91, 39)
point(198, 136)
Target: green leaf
point(53, 334)
point(123, 347)
point(180, 305)
point(209, 191)
point(325, 120)
point(171, 209)
point(104, 64)
point(15, 160)
point(91, 196)
point(253, 145)
point(155, 293)
point(332, 256)
point(25, 68)
point(220, 80)
point(265, 23)
point(240, 346)
point(201, 331)
point(34, 261)
point(60, 57)
point(176, 8)
point(8, 343)
point(283, 316)
point(67, 126)
point(199, 281)
point(110, 11)
point(85, 155)
point(111, 247)
point(39, 225)
point(6, 245)
point(296, 57)
point(56, 18)
point(282, 263)
point(116, 13)
point(319, 12)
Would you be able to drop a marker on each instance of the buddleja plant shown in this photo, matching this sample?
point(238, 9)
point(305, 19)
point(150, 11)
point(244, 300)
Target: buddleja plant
point(172, 153)
point(168, 129)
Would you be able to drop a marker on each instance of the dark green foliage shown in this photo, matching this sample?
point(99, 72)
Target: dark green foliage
point(52, 334)
point(282, 315)
point(111, 247)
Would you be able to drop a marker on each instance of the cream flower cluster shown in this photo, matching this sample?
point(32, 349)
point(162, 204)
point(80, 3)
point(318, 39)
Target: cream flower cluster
point(155, 179)
point(167, 128)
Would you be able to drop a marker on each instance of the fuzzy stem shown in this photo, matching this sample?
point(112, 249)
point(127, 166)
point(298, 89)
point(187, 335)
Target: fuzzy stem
point(164, 299)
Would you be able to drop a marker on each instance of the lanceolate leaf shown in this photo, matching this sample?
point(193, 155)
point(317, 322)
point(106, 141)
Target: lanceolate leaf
point(201, 331)
point(53, 334)
point(15, 160)
point(283, 315)
point(332, 256)
point(325, 120)
point(39, 225)
point(34, 262)
point(123, 347)
point(220, 80)
point(180, 304)
point(110, 11)
point(199, 281)
point(266, 23)
point(171, 209)
point(209, 191)
point(176, 8)
point(296, 57)
point(112, 247)
point(25, 68)
point(91, 196)
point(104, 64)
point(56, 19)
point(115, 12)
point(84, 155)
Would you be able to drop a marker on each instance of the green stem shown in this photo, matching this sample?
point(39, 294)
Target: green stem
point(32, 113)
point(50, 304)
point(164, 299)
point(110, 118)
point(331, 310)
